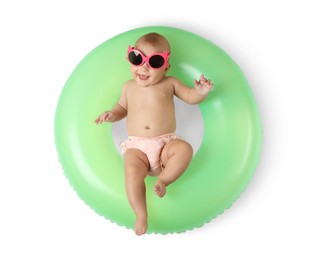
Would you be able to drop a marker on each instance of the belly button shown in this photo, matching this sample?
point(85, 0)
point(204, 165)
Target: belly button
point(147, 127)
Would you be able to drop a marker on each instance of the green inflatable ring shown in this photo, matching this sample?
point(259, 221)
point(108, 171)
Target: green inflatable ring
point(219, 171)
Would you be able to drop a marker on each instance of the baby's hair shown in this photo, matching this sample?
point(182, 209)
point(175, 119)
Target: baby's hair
point(155, 39)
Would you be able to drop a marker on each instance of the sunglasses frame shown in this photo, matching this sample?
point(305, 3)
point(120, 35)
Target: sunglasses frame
point(165, 55)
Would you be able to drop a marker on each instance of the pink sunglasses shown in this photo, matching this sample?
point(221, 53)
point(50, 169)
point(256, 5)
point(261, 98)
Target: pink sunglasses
point(155, 61)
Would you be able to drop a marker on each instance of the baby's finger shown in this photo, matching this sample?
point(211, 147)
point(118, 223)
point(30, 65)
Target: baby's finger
point(108, 117)
point(101, 119)
point(97, 121)
point(211, 85)
point(196, 83)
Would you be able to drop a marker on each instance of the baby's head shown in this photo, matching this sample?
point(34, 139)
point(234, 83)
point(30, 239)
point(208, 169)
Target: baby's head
point(155, 40)
point(149, 58)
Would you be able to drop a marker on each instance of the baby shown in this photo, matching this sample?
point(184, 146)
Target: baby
point(147, 101)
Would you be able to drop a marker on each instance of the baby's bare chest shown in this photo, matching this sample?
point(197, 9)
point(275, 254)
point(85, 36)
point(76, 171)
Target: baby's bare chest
point(151, 96)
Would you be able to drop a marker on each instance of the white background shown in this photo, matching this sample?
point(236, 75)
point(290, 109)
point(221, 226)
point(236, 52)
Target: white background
point(274, 43)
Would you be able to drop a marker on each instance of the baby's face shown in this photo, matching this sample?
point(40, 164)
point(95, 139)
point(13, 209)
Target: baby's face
point(144, 75)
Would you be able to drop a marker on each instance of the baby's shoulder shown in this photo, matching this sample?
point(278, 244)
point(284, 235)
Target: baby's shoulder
point(171, 79)
point(128, 84)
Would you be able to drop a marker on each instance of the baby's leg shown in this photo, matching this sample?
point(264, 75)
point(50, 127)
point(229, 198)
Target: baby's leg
point(176, 157)
point(136, 169)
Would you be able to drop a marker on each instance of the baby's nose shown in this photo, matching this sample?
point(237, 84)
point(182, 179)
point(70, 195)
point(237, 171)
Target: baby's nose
point(145, 65)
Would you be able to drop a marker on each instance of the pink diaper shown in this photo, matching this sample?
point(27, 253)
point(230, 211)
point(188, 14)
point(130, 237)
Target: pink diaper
point(151, 147)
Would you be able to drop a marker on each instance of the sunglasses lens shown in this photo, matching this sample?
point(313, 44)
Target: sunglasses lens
point(156, 61)
point(135, 58)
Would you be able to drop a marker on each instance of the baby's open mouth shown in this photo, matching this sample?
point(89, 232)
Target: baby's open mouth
point(143, 77)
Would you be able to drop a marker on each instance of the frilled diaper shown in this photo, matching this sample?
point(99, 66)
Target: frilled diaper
point(151, 147)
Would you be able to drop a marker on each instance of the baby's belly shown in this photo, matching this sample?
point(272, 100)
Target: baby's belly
point(150, 129)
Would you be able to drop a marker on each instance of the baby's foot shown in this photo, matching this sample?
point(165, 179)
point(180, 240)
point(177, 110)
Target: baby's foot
point(140, 225)
point(160, 188)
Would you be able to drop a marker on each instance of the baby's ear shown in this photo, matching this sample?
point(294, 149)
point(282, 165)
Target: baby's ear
point(167, 68)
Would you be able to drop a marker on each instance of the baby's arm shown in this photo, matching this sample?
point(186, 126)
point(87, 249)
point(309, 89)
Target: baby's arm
point(116, 114)
point(193, 95)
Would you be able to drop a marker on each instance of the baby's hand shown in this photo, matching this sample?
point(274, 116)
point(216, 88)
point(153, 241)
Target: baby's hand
point(106, 116)
point(203, 86)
